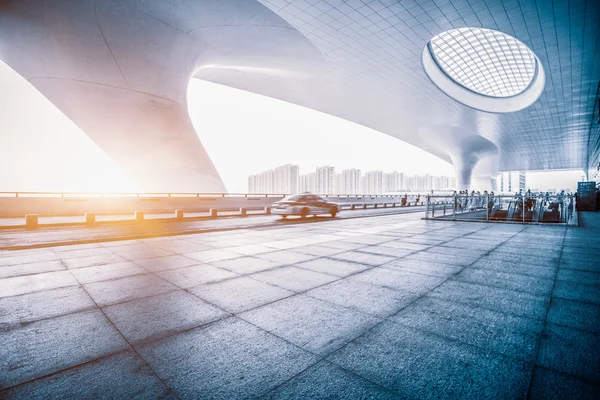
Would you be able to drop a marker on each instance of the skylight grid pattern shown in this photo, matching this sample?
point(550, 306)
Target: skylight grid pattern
point(485, 61)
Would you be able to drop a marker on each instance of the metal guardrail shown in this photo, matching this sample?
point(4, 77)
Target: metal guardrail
point(28, 207)
point(184, 194)
point(525, 208)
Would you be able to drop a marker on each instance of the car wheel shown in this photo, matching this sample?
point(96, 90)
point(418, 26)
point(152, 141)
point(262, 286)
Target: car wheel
point(333, 212)
point(304, 213)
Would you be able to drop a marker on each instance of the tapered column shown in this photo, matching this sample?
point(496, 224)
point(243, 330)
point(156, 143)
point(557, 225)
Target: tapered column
point(466, 150)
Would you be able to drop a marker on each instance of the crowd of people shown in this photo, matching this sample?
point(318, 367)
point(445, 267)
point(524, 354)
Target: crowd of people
point(465, 201)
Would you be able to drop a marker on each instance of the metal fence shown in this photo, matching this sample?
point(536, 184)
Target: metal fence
point(19, 204)
point(525, 208)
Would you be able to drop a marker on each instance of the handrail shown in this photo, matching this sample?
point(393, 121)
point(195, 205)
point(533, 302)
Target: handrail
point(191, 194)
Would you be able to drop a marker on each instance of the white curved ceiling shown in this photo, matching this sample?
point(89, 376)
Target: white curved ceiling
point(375, 75)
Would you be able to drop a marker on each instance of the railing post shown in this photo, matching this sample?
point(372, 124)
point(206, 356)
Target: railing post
point(487, 207)
point(31, 221)
point(427, 207)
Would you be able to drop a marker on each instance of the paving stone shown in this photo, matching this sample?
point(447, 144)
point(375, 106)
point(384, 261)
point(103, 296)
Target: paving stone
point(577, 292)
point(250, 249)
point(541, 271)
point(91, 261)
point(332, 266)
point(575, 314)
point(25, 308)
point(196, 275)
point(282, 244)
point(240, 294)
point(157, 264)
point(229, 359)
point(85, 252)
point(386, 251)
point(317, 250)
point(30, 269)
point(293, 278)
point(424, 267)
point(503, 333)
point(107, 271)
point(208, 256)
point(312, 324)
point(592, 266)
point(529, 284)
point(161, 315)
point(571, 275)
point(470, 244)
point(326, 381)
point(503, 300)
point(369, 299)
point(460, 252)
point(572, 351)
point(51, 345)
point(127, 289)
point(369, 239)
point(286, 257)
point(343, 245)
point(34, 283)
point(400, 244)
point(398, 280)
point(363, 258)
point(550, 260)
point(548, 384)
point(425, 255)
point(136, 255)
point(427, 366)
point(14, 259)
point(123, 375)
point(246, 265)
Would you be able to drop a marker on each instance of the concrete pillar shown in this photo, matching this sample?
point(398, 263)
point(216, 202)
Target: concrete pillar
point(243, 212)
point(179, 214)
point(31, 220)
point(90, 218)
point(213, 213)
point(139, 215)
point(465, 148)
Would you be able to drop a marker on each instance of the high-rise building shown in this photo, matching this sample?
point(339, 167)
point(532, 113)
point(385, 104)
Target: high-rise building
point(261, 183)
point(511, 181)
point(351, 181)
point(285, 179)
point(339, 184)
point(281, 180)
point(325, 180)
point(373, 182)
point(307, 183)
point(393, 182)
point(419, 183)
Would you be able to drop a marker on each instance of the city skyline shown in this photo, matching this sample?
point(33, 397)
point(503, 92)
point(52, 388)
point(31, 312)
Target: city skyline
point(324, 180)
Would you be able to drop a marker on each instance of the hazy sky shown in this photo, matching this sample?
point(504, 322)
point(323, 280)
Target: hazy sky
point(42, 150)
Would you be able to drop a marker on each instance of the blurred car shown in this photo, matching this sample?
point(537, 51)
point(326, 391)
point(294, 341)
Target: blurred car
point(303, 205)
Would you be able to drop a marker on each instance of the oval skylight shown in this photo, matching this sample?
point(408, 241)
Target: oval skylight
point(485, 61)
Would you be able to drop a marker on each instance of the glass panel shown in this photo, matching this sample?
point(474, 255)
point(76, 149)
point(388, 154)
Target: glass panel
point(485, 61)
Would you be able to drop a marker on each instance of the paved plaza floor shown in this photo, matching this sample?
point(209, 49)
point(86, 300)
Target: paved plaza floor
point(384, 307)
